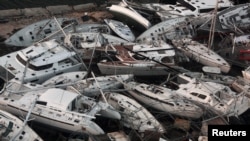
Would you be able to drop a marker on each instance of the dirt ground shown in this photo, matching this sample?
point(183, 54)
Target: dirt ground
point(16, 23)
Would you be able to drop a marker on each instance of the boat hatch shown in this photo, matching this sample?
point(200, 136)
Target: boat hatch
point(41, 103)
point(8, 129)
point(5, 74)
point(47, 31)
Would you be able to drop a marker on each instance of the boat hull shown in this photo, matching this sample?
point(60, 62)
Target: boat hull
point(53, 118)
point(142, 69)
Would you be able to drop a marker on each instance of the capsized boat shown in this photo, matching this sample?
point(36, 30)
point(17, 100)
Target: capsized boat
point(38, 31)
point(89, 87)
point(64, 79)
point(13, 128)
point(174, 28)
point(212, 77)
point(84, 27)
point(203, 6)
point(121, 29)
point(163, 99)
point(133, 114)
point(64, 110)
point(91, 40)
point(218, 98)
point(201, 54)
point(230, 19)
point(41, 61)
point(188, 7)
point(130, 16)
point(142, 59)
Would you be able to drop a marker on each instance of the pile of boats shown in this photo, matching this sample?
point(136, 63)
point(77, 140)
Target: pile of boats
point(51, 80)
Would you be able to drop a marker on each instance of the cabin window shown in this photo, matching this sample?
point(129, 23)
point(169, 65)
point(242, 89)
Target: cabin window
point(21, 60)
point(47, 31)
point(202, 96)
point(29, 51)
point(178, 11)
point(41, 103)
point(76, 120)
point(32, 66)
point(34, 80)
point(11, 68)
point(166, 60)
point(194, 94)
point(40, 67)
point(161, 51)
point(21, 38)
point(171, 7)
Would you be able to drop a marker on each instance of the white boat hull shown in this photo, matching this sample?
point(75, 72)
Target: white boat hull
point(54, 118)
point(89, 87)
point(64, 79)
point(131, 17)
point(202, 54)
point(141, 69)
point(12, 128)
point(133, 114)
point(163, 102)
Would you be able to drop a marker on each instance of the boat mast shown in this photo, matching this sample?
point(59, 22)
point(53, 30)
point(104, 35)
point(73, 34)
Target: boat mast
point(212, 28)
point(98, 86)
point(66, 36)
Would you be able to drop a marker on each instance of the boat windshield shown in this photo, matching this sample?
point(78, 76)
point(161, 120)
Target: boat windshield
point(37, 68)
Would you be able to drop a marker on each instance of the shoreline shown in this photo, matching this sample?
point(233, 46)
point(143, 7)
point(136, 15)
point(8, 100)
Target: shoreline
point(15, 23)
